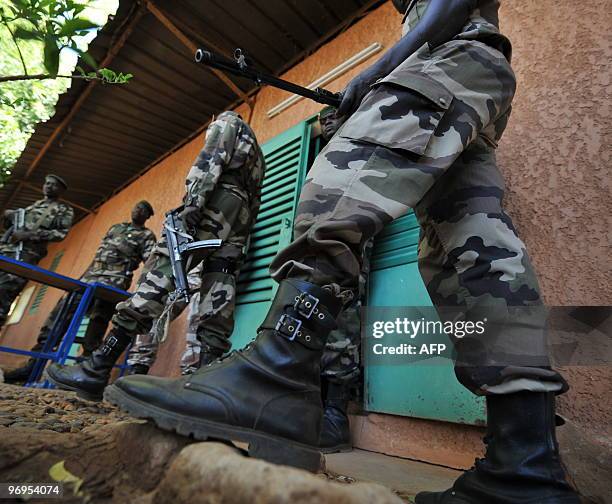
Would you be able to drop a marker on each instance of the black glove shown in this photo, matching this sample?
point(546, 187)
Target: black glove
point(7, 218)
point(191, 216)
point(442, 21)
point(356, 90)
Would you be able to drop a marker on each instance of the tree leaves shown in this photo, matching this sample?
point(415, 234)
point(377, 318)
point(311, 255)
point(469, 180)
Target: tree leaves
point(27, 34)
point(43, 30)
point(52, 54)
point(57, 23)
point(76, 26)
point(106, 75)
point(86, 57)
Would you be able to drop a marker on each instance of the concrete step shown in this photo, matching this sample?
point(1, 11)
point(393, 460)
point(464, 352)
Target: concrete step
point(405, 477)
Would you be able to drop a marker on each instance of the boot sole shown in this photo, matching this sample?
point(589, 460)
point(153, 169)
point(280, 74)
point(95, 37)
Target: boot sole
point(343, 448)
point(423, 499)
point(261, 445)
point(88, 396)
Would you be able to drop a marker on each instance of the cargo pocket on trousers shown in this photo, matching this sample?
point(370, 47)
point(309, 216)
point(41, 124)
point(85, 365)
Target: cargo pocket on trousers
point(402, 111)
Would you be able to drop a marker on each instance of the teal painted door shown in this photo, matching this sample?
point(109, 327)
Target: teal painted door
point(286, 164)
point(427, 389)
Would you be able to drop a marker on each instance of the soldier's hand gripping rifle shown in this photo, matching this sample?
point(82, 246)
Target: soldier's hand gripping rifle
point(180, 245)
point(18, 224)
point(240, 67)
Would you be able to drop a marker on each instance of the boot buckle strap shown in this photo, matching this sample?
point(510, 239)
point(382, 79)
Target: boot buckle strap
point(306, 304)
point(289, 326)
point(109, 344)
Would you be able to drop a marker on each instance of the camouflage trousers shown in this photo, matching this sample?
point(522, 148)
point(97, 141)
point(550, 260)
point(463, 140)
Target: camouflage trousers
point(341, 360)
point(422, 139)
point(100, 313)
point(12, 285)
point(145, 348)
point(215, 311)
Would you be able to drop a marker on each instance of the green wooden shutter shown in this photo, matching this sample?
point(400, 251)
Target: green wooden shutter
point(286, 158)
point(43, 288)
point(422, 390)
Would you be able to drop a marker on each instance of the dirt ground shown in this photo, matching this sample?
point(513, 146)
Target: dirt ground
point(103, 456)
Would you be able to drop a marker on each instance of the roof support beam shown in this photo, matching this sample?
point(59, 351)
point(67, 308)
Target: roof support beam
point(112, 52)
point(187, 42)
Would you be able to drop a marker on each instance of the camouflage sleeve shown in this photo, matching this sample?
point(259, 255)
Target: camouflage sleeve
point(61, 223)
point(247, 154)
point(109, 233)
point(148, 246)
point(213, 158)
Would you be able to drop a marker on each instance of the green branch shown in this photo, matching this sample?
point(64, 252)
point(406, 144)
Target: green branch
point(103, 75)
point(25, 68)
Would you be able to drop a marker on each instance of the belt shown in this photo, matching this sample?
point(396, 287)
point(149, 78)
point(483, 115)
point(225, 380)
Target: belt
point(219, 266)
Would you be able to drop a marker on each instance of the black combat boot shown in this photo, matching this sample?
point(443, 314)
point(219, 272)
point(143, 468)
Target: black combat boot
point(89, 378)
point(94, 336)
point(521, 465)
point(267, 395)
point(335, 431)
point(139, 369)
point(20, 374)
point(209, 355)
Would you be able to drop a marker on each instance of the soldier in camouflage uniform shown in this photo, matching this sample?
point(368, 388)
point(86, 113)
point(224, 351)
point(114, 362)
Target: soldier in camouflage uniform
point(222, 200)
point(120, 253)
point(423, 124)
point(46, 220)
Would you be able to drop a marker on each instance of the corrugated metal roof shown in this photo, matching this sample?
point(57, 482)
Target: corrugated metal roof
point(121, 130)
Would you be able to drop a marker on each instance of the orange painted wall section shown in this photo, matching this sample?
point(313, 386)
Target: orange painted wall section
point(555, 157)
point(382, 26)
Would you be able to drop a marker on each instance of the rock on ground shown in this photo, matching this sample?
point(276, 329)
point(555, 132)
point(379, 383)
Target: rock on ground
point(217, 473)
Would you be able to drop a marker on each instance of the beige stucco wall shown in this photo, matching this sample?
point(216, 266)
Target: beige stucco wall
point(555, 157)
point(556, 161)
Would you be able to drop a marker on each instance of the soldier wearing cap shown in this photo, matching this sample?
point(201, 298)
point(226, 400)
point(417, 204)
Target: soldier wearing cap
point(120, 253)
point(46, 220)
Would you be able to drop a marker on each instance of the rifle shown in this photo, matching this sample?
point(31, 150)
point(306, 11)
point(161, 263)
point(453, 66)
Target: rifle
point(180, 244)
point(18, 218)
point(241, 67)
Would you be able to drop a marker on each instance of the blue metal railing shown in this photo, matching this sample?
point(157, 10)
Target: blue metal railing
point(75, 288)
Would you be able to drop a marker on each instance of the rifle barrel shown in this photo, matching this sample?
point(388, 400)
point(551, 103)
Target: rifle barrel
point(319, 95)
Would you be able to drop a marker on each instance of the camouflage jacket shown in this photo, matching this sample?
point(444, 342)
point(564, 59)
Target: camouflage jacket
point(231, 158)
point(120, 253)
point(483, 24)
point(50, 221)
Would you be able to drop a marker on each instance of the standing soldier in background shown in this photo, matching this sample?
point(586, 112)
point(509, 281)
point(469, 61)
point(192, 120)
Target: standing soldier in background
point(120, 253)
point(223, 193)
point(46, 220)
point(423, 123)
